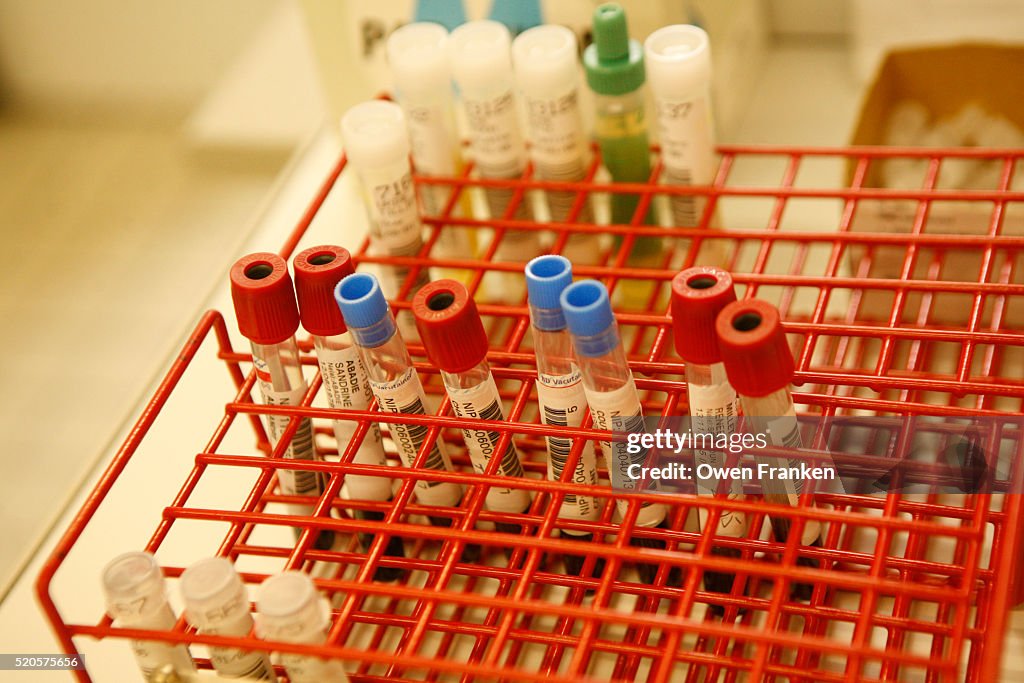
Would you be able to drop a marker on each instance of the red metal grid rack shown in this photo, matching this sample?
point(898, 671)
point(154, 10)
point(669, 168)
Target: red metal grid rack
point(910, 587)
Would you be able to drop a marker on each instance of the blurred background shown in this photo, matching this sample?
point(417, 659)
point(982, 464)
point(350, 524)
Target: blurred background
point(141, 141)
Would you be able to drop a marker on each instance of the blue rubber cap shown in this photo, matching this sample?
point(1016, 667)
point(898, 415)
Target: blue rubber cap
point(588, 312)
point(546, 278)
point(364, 308)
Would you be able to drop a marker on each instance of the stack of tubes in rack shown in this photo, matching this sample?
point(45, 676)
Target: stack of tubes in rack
point(735, 352)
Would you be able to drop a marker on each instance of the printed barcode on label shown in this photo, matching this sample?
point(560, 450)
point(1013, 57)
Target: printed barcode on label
point(417, 434)
point(685, 208)
point(558, 447)
point(499, 198)
point(510, 465)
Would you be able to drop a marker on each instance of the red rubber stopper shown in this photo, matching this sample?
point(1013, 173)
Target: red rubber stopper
point(754, 348)
point(264, 298)
point(449, 326)
point(318, 270)
point(698, 295)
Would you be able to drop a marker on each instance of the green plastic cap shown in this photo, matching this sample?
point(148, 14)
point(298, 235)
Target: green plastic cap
point(614, 63)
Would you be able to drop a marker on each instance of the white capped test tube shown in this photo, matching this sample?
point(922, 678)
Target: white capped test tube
point(216, 603)
point(612, 396)
point(318, 270)
point(290, 609)
point(760, 365)
point(560, 394)
point(547, 73)
point(456, 343)
point(377, 146)
point(136, 597)
point(418, 56)
point(679, 73)
point(698, 295)
point(480, 53)
point(264, 302)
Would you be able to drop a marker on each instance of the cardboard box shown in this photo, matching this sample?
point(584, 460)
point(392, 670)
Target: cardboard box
point(944, 80)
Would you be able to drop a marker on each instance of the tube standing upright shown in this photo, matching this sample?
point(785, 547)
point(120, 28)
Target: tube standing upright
point(611, 394)
point(133, 586)
point(760, 365)
point(318, 270)
point(547, 73)
point(377, 146)
point(698, 295)
point(560, 393)
point(418, 56)
point(456, 343)
point(395, 384)
point(480, 53)
point(268, 317)
point(614, 65)
point(290, 609)
point(679, 72)
point(216, 603)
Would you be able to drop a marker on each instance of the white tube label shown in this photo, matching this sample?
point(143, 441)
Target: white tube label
point(784, 431)
point(558, 146)
point(484, 403)
point(714, 410)
point(394, 218)
point(344, 381)
point(433, 141)
point(687, 151)
point(562, 402)
point(497, 144)
point(292, 482)
point(620, 410)
point(150, 654)
point(232, 662)
point(404, 394)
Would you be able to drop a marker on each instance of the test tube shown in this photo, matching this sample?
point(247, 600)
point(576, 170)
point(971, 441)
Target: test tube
point(216, 604)
point(679, 70)
point(611, 394)
point(317, 271)
point(482, 66)
point(560, 395)
point(268, 317)
point(614, 65)
point(418, 55)
point(760, 366)
point(456, 343)
point(377, 146)
point(698, 294)
point(395, 384)
point(547, 73)
point(289, 609)
point(133, 586)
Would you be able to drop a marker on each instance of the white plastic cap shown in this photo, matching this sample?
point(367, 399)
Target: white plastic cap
point(133, 585)
point(289, 604)
point(374, 134)
point(211, 585)
point(678, 60)
point(545, 59)
point(480, 54)
point(418, 55)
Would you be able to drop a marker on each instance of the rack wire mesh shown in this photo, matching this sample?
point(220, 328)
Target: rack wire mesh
point(901, 320)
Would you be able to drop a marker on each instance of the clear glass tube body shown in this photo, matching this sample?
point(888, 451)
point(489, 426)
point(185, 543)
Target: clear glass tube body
point(474, 394)
point(346, 387)
point(397, 388)
point(563, 402)
point(615, 406)
point(775, 415)
point(621, 130)
point(282, 382)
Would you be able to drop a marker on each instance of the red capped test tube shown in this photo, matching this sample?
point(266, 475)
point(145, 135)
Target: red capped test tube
point(698, 295)
point(318, 270)
point(760, 366)
point(268, 317)
point(456, 342)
